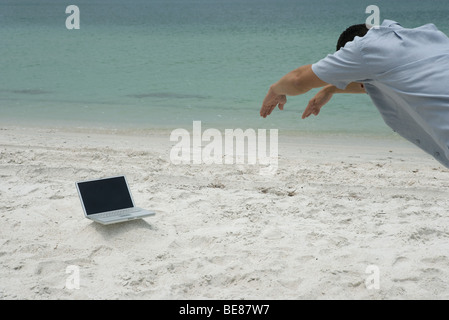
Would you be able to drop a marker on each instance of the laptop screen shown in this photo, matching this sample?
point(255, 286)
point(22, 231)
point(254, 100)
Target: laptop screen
point(105, 195)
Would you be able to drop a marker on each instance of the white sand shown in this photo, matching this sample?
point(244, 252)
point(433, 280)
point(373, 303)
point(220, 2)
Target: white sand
point(335, 207)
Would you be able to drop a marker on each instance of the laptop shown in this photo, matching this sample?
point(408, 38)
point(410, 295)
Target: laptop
point(109, 200)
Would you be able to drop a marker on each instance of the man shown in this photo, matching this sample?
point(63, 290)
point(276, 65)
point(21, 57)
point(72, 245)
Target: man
point(404, 71)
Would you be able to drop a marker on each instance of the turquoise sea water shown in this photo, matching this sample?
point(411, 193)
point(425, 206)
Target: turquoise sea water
point(162, 64)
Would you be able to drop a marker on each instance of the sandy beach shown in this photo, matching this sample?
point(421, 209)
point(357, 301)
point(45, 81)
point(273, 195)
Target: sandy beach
point(335, 207)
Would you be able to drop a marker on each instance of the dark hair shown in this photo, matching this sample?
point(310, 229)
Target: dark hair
point(357, 30)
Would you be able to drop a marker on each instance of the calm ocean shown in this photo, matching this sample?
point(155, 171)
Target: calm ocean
point(165, 63)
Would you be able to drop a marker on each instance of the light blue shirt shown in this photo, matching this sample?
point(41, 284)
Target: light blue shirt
point(406, 74)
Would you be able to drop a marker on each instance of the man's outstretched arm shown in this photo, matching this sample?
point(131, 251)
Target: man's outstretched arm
point(294, 83)
point(325, 94)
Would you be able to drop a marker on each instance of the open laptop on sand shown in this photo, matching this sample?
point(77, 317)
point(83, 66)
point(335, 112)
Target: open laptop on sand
point(109, 200)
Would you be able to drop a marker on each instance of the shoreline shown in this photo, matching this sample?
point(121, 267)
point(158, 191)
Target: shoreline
point(334, 208)
point(291, 144)
point(114, 128)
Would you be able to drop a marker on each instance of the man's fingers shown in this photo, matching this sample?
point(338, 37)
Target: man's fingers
point(309, 109)
point(270, 104)
point(266, 110)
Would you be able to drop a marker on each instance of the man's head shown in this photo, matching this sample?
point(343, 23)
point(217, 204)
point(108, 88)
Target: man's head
point(358, 30)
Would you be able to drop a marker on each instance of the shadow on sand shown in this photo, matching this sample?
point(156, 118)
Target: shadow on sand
point(117, 229)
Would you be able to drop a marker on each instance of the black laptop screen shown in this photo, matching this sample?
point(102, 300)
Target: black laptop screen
point(105, 195)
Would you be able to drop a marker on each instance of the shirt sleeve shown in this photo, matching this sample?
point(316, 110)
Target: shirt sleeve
point(343, 67)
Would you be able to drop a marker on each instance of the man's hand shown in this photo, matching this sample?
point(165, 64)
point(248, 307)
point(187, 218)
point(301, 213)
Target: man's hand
point(318, 101)
point(324, 95)
point(296, 82)
point(271, 101)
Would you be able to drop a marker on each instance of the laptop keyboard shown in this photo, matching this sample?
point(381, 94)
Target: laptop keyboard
point(118, 212)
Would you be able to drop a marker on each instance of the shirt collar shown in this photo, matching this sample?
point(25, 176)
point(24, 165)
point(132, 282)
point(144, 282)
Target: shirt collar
point(390, 24)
